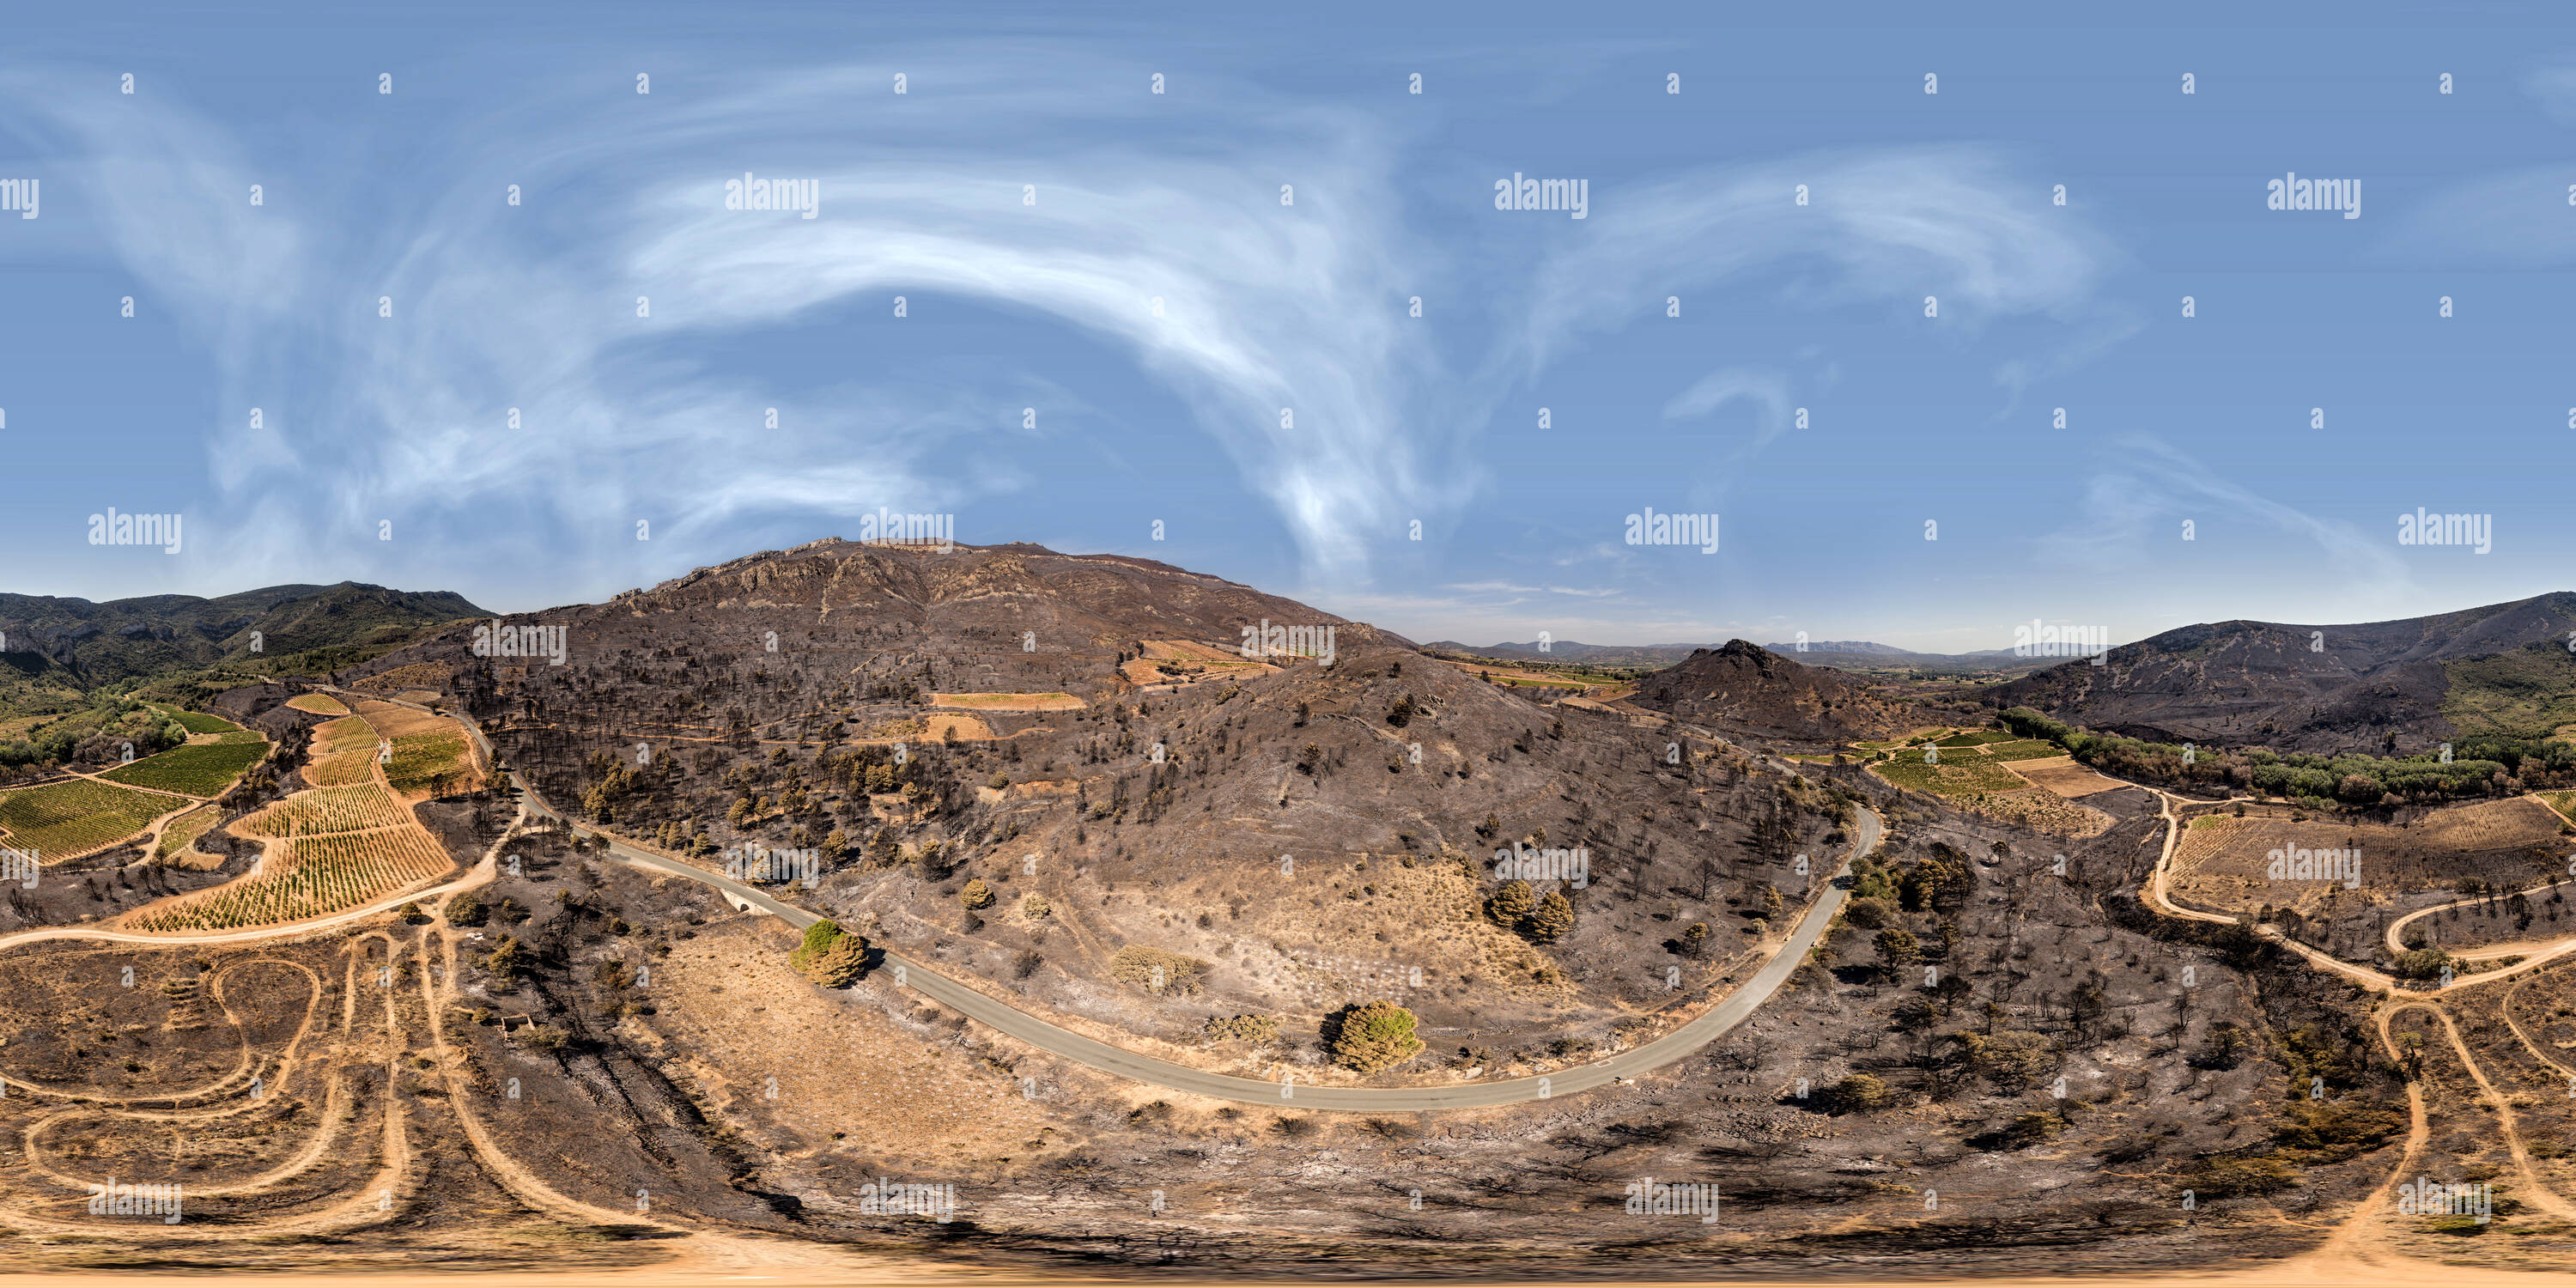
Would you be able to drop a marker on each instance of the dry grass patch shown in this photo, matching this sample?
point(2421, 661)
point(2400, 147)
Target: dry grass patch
point(1009, 701)
point(2065, 777)
point(320, 704)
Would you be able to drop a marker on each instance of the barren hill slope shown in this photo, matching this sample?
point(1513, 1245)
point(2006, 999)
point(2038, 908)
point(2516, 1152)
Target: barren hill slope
point(2298, 688)
point(1747, 691)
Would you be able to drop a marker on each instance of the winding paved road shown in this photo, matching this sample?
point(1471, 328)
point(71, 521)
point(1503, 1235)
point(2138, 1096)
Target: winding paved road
point(1002, 1017)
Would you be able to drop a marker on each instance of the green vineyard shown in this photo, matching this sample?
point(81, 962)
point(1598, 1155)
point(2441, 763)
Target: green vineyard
point(203, 769)
point(328, 809)
point(59, 820)
point(184, 830)
point(429, 762)
point(307, 877)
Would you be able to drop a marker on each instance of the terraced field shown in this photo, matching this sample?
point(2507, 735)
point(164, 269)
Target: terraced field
point(343, 754)
point(1957, 775)
point(431, 756)
point(320, 704)
point(199, 769)
point(432, 763)
point(340, 844)
point(307, 877)
point(66, 819)
point(184, 830)
point(363, 807)
point(197, 721)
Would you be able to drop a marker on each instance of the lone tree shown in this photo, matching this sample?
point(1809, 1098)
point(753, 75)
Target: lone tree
point(1897, 948)
point(1511, 902)
point(830, 956)
point(976, 894)
point(1552, 919)
point(1857, 1094)
point(1375, 1036)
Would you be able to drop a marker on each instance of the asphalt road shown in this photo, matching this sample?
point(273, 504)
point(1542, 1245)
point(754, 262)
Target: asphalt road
point(1036, 1032)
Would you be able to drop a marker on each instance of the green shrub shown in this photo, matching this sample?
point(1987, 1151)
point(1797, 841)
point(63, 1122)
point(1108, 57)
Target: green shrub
point(1374, 1036)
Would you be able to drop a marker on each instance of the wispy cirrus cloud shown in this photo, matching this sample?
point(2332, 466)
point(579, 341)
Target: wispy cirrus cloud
point(2146, 489)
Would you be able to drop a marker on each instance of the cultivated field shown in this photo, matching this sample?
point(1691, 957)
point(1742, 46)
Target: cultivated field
point(183, 831)
point(430, 763)
point(2065, 777)
point(198, 769)
point(430, 755)
point(320, 704)
point(1956, 776)
point(1991, 787)
point(327, 809)
point(308, 877)
point(196, 722)
point(1008, 701)
point(343, 754)
point(2223, 860)
point(68, 819)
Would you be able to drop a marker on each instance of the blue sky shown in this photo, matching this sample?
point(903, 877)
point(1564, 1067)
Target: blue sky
point(370, 425)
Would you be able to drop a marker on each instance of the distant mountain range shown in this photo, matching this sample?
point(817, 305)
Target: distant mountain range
point(73, 645)
point(2404, 685)
point(1844, 655)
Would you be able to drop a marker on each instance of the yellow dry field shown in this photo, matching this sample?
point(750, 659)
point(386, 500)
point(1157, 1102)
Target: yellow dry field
point(320, 704)
point(344, 769)
point(343, 754)
point(2488, 825)
point(2224, 862)
point(1193, 651)
point(431, 754)
point(390, 721)
point(2045, 812)
point(1008, 701)
point(2060, 774)
point(329, 809)
point(1539, 678)
point(882, 1084)
point(967, 728)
